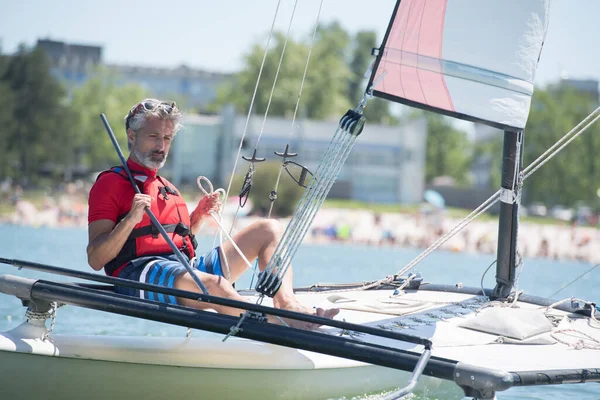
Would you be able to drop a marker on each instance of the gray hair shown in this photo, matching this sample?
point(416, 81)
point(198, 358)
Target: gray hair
point(162, 110)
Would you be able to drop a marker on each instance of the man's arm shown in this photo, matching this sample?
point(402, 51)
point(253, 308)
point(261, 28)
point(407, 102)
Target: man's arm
point(105, 239)
point(206, 205)
point(197, 218)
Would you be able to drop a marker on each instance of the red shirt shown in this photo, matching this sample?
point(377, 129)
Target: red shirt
point(111, 196)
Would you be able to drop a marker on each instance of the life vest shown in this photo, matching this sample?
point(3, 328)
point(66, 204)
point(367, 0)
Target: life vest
point(170, 210)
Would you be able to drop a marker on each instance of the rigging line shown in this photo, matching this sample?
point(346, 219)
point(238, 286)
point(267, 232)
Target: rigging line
point(262, 65)
point(527, 172)
point(266, 111)
point(542, 159)
point(573, 281)
point(287, 37)
point(483, 276)
point(312, 42)
point(275, 189)
point(309, 205)
point(474, 214)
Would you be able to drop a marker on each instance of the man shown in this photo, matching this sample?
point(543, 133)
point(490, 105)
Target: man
point(123, 241)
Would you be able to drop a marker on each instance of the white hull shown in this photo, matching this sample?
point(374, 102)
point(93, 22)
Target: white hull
point(104, 367)
point(26, 376)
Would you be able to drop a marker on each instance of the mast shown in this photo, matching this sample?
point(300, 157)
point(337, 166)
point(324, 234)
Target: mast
point(512, 162)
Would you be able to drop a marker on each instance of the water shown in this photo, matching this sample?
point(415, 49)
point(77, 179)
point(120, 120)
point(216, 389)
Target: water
point(314, 263)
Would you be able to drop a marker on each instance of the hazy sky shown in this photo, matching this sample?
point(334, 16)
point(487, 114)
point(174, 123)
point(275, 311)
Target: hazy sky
point(215, 34)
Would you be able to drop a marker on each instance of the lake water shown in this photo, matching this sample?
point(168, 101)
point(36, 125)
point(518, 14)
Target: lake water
point(314, 263)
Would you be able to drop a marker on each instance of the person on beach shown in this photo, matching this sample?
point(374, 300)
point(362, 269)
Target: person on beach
point(123, 241)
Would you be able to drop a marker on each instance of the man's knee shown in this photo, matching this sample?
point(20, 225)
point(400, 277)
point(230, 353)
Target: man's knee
point(269, 228)
point(186, 282)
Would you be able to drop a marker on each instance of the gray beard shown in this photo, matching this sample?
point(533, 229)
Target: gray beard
point(147, 161)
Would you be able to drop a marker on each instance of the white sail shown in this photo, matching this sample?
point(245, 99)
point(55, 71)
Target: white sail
point(474, 60)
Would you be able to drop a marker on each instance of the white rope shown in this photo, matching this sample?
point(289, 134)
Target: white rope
point(216, 217)
point(584, 341)
point(576, 300)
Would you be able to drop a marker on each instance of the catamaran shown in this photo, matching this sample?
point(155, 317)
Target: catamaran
point(474, 61)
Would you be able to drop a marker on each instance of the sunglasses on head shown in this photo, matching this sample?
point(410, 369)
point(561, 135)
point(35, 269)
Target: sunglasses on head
point(148, 106)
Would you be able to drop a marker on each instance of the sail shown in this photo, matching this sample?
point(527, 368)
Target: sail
point(473, 60)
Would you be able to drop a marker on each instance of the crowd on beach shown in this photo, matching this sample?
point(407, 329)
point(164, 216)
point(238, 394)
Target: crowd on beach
point(566, 241)
point(64, 206)
point(67, 206)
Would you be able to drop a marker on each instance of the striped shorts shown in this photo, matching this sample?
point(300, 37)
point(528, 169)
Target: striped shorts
point(162, 271)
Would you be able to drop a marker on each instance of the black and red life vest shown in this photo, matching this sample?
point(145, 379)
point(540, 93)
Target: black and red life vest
point(170, 210)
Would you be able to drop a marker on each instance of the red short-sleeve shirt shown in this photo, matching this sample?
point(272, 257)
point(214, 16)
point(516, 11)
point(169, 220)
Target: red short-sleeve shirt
point(112, 194)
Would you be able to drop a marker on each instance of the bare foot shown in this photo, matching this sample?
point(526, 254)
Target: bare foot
point(321, 312)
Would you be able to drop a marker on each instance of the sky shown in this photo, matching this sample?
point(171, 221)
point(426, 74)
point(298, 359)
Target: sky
point(215, 34)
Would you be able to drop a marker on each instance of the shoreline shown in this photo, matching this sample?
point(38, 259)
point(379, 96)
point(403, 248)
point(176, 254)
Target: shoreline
point(416, 230)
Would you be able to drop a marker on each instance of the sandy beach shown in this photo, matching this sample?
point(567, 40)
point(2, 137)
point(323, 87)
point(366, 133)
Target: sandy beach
point(415, 230)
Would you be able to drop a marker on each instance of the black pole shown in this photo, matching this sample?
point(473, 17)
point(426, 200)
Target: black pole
point(155, 222)
point(251, 329)
point(556, 377)
point(206, 298)
point(508, 223)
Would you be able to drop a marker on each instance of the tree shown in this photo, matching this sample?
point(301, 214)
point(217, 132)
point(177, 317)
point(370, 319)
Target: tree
point(9, 159)
point(377, 110)
point(573, 173)
point(39, 113)
point(264, 180)
point(448, 149)
point(328, 74)
point(101, 94)
point(325, 89)
point(491, 150)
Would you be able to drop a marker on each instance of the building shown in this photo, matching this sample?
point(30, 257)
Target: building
point(387, 164)
point(197, 87)
point(75, 63)
point(71, 62)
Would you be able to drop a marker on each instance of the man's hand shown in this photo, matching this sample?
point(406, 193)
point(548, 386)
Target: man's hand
point(138, 207)
point(206, 205)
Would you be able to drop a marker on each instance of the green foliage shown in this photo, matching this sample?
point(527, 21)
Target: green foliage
point(101, 94)
point(265, 178)
point(377, 110)
point(36, 115)
point(572, 175)
point(9, 160)
point(492, 151)
point(449, 151)
point(47, 131)
point(334, 80)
